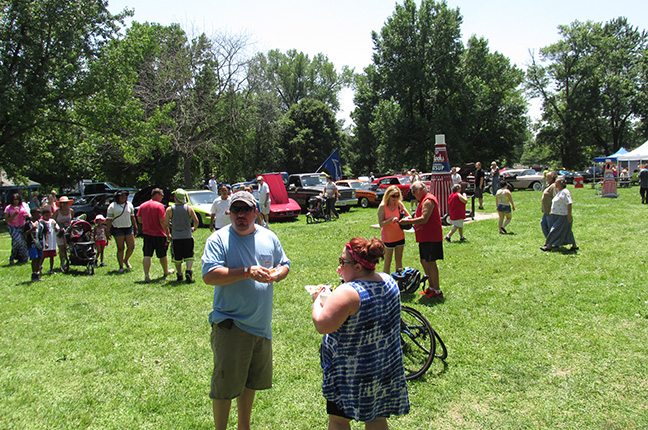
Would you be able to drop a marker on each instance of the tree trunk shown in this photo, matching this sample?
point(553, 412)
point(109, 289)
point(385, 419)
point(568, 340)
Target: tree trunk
point(187, 171)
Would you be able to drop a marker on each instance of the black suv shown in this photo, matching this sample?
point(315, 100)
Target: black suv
point(96, 188)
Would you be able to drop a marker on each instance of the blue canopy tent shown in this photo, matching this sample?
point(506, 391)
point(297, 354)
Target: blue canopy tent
point(612, 157)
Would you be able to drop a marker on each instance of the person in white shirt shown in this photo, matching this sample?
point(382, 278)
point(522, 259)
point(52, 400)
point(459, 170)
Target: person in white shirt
point(561, 215)
point(264, 199)
point(213, 185)
point(331, 193)
point(414, 177)
point(456, 177)
point(220, 209)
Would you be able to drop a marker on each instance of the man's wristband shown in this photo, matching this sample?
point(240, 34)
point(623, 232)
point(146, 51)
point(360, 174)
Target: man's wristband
point(246, 272)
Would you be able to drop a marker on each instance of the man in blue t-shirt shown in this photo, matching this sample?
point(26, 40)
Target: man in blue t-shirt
point(241, 260)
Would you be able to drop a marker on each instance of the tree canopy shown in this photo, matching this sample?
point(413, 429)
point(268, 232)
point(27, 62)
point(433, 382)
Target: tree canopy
point(593, 89)
point(424, 82)
point(79, 98)
point(45, 49)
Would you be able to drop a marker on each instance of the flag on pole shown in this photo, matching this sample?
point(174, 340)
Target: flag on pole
point(333, 165)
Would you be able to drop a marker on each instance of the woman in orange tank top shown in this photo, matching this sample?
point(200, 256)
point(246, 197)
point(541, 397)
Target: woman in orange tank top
point(392, 235)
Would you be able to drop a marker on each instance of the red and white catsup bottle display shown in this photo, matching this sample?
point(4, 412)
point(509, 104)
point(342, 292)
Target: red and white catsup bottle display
point(441, 180)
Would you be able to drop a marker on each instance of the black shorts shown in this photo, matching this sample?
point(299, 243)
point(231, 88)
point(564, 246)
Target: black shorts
point(182, 250)
point(155, 243)
point(431, 251)
point(392, 245)
point(333, 409)
point(479, 192)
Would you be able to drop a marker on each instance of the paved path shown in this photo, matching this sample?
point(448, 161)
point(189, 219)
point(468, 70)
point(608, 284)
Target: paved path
point(479, 216)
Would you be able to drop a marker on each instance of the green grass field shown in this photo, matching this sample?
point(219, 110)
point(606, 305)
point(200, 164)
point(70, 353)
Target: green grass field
point(535, 340)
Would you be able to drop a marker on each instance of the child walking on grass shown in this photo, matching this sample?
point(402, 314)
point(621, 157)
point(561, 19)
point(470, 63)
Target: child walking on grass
point(34, 245)
point(456, 212)
point(100, 234)
point(47, 229)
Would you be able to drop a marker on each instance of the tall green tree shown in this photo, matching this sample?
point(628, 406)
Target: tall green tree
point(494, 120)
point(309, 133)
point(620, 74)
point(591, 87)
point(293, 76)
point(182, 97)
point(424, 82)
point(417, 62)
point(288, 90)
point(45, 49)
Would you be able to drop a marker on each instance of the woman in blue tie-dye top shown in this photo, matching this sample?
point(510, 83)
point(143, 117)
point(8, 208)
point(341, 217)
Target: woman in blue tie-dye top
point(361, 354)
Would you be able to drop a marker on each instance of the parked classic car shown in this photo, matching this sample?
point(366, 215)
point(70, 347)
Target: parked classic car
point(93, 206)
point(303, 186)
point(591, 172)
point(521, 179)
point(366, 192)
point(201, 202)
point(281, 206)
point(568, 175)
point(401, 181)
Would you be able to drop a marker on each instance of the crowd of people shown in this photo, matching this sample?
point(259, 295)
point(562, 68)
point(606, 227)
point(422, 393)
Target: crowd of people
point(361, 356)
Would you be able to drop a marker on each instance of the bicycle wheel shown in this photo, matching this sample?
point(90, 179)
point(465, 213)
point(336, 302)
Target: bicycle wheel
point(439, 342)
point(417, 341)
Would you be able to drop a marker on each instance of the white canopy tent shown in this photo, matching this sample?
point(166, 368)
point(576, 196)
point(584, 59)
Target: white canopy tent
point(635, 157)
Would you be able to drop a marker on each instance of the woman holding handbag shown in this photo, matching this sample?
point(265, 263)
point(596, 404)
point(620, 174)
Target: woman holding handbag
point(122, 225)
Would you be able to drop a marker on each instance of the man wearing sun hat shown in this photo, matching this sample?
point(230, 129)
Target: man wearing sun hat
point(242, 261)
point(183, 222)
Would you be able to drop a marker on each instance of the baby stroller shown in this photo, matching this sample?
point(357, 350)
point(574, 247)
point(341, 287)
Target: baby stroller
point(317, 210)
point(80, 246)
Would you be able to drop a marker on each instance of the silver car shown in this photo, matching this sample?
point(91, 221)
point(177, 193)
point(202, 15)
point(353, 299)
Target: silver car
point(521, 179)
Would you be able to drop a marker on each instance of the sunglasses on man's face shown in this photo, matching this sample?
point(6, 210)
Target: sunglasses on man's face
point(241, 209)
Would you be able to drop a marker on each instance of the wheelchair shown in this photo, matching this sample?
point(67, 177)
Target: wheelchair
point(420, 343)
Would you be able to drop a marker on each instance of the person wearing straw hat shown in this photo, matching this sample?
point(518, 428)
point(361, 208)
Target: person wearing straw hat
point(183, 222)
point(63, 217)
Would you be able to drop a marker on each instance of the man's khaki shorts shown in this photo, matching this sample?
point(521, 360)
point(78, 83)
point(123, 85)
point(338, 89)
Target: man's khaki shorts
point(241, 360)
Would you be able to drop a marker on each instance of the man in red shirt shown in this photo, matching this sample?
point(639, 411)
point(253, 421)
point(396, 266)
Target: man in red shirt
point(155, 231)
point(429, 235)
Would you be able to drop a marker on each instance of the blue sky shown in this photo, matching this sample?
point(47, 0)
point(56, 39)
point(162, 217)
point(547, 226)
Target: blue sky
point(341, 29)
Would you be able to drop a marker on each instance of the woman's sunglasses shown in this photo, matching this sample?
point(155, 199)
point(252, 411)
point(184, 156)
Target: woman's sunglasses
point(343, 261)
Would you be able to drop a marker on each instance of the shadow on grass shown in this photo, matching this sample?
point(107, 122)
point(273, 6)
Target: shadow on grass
point(430, 373)
point(421, 300)
point(76, 271)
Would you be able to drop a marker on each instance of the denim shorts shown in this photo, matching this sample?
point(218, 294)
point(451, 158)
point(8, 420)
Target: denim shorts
point(35, 253)
point(504, 208)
